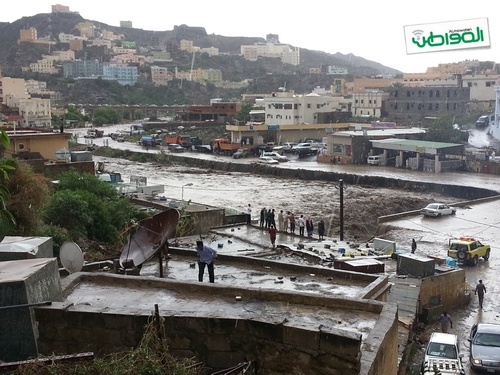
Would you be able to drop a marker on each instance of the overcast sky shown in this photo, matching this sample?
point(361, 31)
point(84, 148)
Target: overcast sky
point(370, 29)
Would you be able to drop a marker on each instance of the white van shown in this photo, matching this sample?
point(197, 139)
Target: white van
point(375, 159)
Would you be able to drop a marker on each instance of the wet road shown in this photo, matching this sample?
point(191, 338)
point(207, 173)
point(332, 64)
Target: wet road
point(481, 221)
point(478, 139)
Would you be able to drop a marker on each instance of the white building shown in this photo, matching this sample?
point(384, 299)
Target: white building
point(495, 127)
point(286, 108)
point(482, 86)
point(286, 53)
point(44, 66)
point(368, 103)
point(34, 111)
point(212, 51)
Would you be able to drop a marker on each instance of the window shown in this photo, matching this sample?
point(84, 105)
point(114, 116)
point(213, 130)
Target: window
point(430, 106)
point(469, 84)
point(356, 101)
point(430, 94)
point(370, 101)
point(295, 106)
point(408, 94)
point(309, 106)
point(437, 93)
point(436, 106)
point(362, 101)
point(375, 101)
point(407, 106)
point(288, 106)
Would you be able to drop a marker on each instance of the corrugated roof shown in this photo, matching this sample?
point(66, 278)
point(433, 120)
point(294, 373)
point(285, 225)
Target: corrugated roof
point(412, 143)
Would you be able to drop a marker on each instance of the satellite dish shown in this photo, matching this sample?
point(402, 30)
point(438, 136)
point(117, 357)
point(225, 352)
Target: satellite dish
point(63, 154)
point(71, 257)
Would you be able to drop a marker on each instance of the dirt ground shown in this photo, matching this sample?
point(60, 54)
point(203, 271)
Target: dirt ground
point(320, 199)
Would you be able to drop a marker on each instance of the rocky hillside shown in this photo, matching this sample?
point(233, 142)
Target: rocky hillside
point(264, 75)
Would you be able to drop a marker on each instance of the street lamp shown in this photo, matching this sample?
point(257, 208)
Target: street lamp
point(182, 196)
point(341, 214)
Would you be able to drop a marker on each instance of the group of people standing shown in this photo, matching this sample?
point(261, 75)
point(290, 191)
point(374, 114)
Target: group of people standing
point(285, 222)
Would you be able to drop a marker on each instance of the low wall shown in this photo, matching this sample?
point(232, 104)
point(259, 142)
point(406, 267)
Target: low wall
point(460, 192)
point(447, 289)
point(220, 342)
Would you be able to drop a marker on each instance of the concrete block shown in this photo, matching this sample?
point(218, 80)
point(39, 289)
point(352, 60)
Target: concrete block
point(301, 337)
point(267, 331)
point(118, 322)
point(342, 343)
point(219, 343)
point(17, 248)
point(177, 342)
point(24, 282)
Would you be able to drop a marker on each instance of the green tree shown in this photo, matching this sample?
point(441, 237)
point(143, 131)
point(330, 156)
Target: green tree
point(88, 207)
point(28, 194)
point(244, 113)
point(443, 130)
point(108, 115)
point(5, 215)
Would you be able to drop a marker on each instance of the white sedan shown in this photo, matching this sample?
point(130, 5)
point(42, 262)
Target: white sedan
point(275, 156)
point(267, 160)
point(437, 210)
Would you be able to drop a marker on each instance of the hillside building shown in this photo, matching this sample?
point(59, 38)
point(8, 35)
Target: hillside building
point(286, 53)
point(370, 103)
point(161, 75)
point(126, 24)
point(35, 112)
point(58, 8)
point(124, 74)
point(495, 127)
point(44, 66)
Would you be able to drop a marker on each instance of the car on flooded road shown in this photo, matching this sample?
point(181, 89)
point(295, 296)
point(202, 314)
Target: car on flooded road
point(468, 250)
point(437, 210)
point(485, 347)
point(443, 355)
point(267, 160)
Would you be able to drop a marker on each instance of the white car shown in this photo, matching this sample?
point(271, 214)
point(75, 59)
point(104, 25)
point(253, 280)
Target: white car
point(275, 156)
point(267, 160)
point(438, 210)
point(442, 354)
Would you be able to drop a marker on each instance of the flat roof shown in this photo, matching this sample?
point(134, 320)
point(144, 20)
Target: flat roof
point(106, 292)
point(378, 132)
point(19, 270)
point(412, 145)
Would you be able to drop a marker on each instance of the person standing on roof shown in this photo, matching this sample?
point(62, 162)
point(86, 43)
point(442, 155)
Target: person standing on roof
point(280, 221)
point(207, 256)
point(272, 235)
point(480, 290)
point(413, 246)
point(249, 214)
point(262, 217)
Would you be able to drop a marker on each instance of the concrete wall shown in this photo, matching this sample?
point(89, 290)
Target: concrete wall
point(18, 324)
point(461, 192)
point(276, 346)
point(447, 289)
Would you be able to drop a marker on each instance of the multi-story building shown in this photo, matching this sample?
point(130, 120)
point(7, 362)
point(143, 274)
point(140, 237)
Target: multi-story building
point(212, 51)
point(315, 70)
point(65, 38)
point(58, 8)
point(45, 66)
point(76, 44)
point(187, 45)
point(415, 103)
point(125, 75)
point(60, 56)
point(482, 86)
point(34, 111)
point(495, 127)
point(161, 76)
point(82, 68)
point(127, 24)
point(128, 58)
point(337, 70)
point(87, 29)
point(121, 50)
point(159, 56)
point(28, 35)
point(339, 87)
point(363, 84)
point(101, 43)
point(109, 35)
point(282, 51)
point(12, 86)
point(190, 75)
point(128, 44)
point(369, 103)
point(286, 108)
point(213, 76)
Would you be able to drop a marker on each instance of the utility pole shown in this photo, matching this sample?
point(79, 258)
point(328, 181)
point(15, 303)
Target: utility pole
point(341, 187)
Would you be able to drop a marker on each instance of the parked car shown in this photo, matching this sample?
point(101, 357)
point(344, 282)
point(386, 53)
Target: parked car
point(468, 250)
point(485, 347)
point(170, 146)
point(443, 354)
point(287, 147)
point(437, 210)
point(120, 138)
point(279, 149)
point(303, 149)
point(275, 156)
point(267, 160)
point(241, 153)
point(176, 148)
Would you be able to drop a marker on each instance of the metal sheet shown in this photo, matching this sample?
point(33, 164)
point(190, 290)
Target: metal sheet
point(150, 235)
